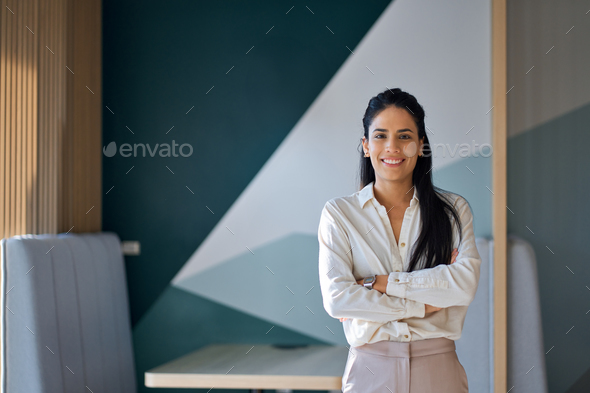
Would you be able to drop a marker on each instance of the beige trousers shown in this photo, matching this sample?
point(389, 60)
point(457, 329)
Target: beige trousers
point(424, 366)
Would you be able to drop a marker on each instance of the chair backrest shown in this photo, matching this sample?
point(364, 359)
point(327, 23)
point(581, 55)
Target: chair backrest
point(525, 332)
point(65, 315)
point(525, 335)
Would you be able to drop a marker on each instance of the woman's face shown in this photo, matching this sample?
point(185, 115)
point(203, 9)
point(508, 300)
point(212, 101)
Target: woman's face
point(393, 135)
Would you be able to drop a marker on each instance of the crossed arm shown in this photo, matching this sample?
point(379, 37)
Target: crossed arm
point(342, 297)
point(398, 295)
point(381, 286)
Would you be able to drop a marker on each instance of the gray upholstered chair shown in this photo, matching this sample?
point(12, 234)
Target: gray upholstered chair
point(525, 334)
point(65, 315)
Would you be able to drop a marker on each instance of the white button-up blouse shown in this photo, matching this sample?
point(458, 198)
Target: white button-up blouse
point(356, 240)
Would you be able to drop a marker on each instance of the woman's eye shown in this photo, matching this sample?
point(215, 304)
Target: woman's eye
point(407, 136)
point(377, 136)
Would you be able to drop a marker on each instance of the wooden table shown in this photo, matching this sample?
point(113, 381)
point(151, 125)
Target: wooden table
point(243, 366)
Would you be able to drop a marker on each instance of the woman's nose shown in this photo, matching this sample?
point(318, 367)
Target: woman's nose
point(392, 145)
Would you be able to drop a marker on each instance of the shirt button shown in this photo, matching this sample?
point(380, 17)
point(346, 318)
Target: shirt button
point(405, 335)
point(397, 270)
point(397, 280)
point(403, 244)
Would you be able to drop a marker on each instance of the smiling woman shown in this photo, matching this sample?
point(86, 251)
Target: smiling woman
point(396, 160)
point(398, 261)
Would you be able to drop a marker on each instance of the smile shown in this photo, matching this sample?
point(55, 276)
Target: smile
point(392, 163)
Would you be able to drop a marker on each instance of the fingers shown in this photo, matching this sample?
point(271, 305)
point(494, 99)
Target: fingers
point(342, 319)
point(428, 308)
point(454, 255)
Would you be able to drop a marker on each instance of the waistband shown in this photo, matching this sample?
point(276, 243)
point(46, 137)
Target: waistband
point(410, 349)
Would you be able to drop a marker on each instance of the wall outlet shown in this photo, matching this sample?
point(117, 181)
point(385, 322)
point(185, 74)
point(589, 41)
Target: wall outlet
point(130, 247)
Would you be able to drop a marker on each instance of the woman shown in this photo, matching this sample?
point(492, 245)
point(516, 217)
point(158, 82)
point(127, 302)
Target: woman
point(398, 262)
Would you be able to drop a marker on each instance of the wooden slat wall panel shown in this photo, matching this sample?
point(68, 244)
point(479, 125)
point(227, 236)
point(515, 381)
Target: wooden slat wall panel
point(4, 28)
point(52, 109)
point(30, 131)
point(50, 122)
point(17, 108)
point(17, 114)
point(84, 115)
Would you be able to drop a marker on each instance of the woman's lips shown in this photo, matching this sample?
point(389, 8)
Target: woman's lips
point(392, 165)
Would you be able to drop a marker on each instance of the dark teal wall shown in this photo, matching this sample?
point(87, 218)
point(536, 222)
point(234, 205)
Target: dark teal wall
point(548, 192)
point(160, 59)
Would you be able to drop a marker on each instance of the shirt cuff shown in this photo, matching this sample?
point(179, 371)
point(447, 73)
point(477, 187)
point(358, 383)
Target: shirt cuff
point(396, 284)
point(415, 309)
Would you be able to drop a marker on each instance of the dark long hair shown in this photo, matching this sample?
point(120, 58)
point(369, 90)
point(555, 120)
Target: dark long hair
point(435, 243)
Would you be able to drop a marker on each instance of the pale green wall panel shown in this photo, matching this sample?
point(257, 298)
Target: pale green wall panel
point(548, 192)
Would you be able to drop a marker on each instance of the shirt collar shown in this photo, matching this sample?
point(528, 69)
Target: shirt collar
point(366, 194)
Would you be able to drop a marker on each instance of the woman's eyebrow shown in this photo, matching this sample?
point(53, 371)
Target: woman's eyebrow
point(384, 130)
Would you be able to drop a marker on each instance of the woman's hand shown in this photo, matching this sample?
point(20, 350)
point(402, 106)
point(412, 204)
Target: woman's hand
point(454, 255)
point(428, 308)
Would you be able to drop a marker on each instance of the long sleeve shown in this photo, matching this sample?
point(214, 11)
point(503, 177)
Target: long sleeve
point(342, 296)
point(444, 285)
